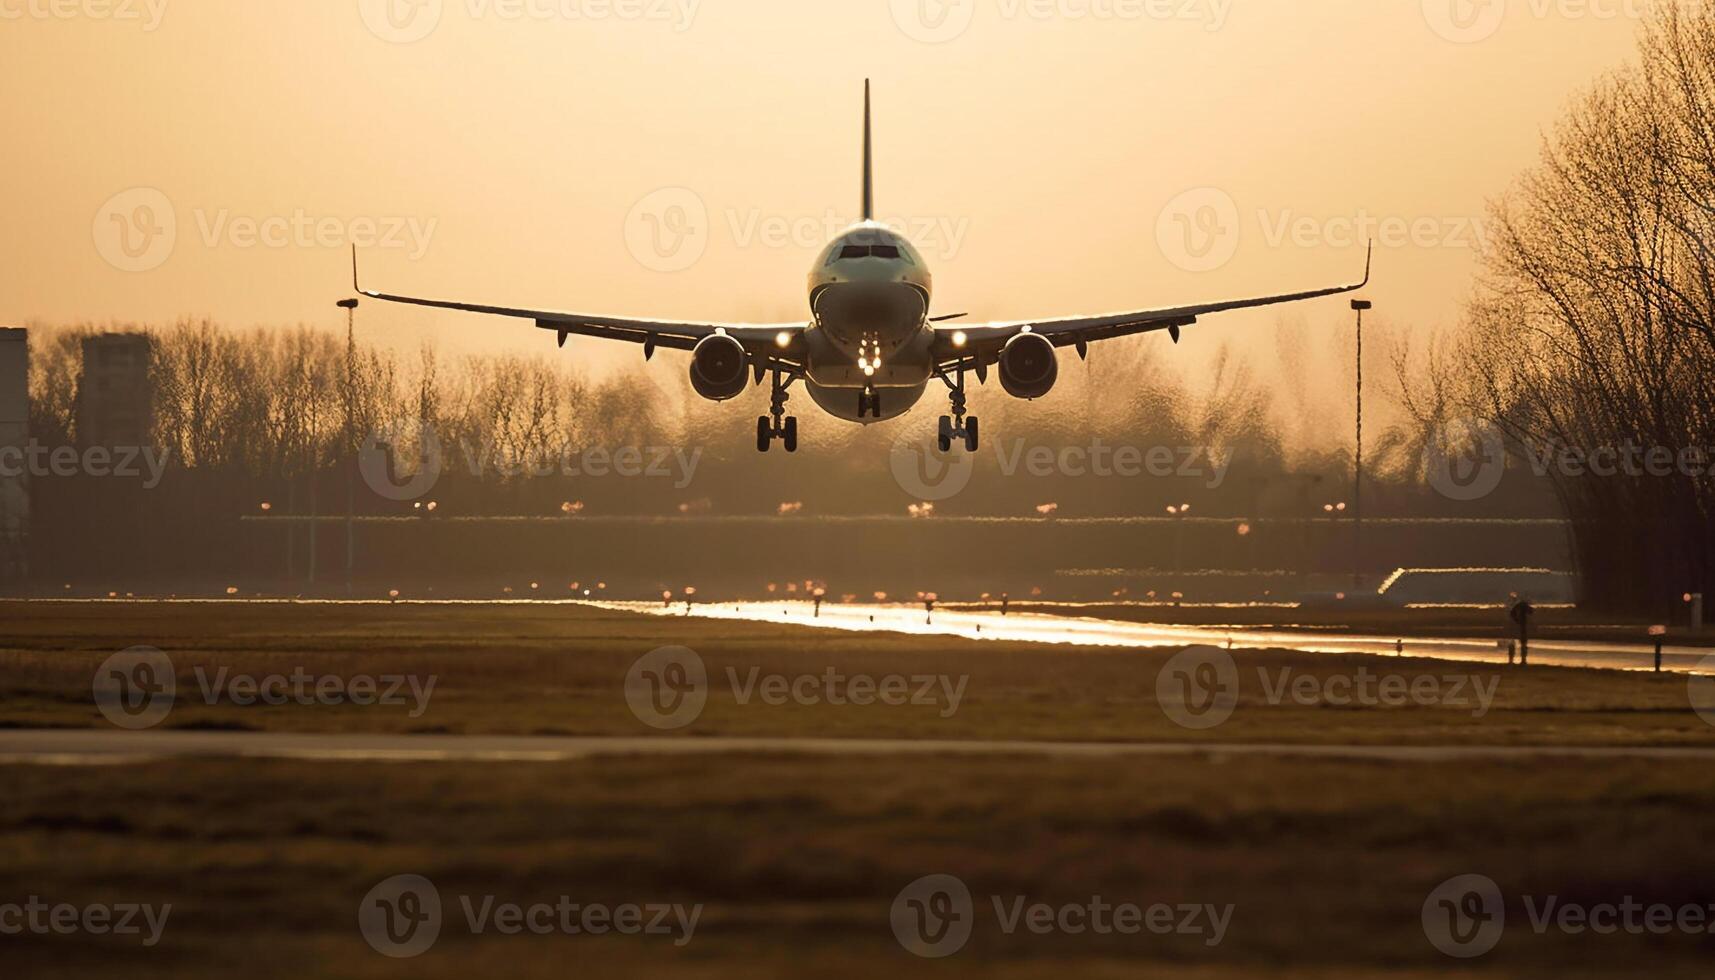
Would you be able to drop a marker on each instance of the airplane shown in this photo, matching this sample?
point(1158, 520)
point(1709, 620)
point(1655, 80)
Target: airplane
point(870, 349)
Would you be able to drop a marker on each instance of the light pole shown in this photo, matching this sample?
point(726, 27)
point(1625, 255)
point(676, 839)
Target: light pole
point(350, 308)
point(1359, 306)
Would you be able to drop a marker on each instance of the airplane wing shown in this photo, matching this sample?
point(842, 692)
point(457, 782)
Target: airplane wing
point(778, 345)
point(982, 343)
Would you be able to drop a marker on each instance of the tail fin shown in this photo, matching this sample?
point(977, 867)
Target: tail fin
point(868, 161)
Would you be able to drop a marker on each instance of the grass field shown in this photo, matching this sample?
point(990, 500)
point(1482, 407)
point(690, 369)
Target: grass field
point(529, 669)
point(796, 863)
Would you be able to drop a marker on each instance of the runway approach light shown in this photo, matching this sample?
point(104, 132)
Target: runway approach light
point(266, 506)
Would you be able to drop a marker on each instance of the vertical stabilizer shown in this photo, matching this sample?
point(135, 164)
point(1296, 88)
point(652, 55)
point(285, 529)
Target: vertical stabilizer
point(868, 161)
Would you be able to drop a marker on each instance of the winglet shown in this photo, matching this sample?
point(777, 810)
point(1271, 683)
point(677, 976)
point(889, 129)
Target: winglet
point(868, 161)
point(1369, 260)
point(354, 286)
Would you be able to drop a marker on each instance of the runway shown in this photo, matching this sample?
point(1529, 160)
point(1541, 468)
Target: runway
point(1037, 628)
point(96, 747)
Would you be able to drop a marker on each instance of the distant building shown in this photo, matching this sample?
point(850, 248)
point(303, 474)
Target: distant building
point(14, 437)
point(115, 398)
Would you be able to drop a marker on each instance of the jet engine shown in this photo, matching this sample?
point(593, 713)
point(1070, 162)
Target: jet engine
point(718, 366)
point(1028, 366)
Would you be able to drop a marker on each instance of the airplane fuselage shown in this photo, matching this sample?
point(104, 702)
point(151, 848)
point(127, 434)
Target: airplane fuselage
point(867, 350)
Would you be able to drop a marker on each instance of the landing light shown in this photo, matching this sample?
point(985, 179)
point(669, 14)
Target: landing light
point(959, 339)
point(783, 340)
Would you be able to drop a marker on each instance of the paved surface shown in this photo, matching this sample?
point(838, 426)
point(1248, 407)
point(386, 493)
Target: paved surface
point(80, 747)
point(1038, 628)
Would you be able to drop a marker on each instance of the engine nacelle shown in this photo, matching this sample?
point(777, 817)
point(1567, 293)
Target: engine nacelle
point(1028, 366)
point(718, 368)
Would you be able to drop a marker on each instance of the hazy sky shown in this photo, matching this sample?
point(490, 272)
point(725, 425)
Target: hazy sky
point(685, 158)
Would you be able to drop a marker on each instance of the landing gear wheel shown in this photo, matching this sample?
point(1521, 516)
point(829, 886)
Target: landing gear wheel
point(958, 426)
point(776, 424)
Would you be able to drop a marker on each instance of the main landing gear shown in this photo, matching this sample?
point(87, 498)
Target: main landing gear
point(958, 426)
point(777, 424)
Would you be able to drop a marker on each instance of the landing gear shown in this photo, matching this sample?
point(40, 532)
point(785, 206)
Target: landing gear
point(777, 424)
point(869, 403)
point(958, 426)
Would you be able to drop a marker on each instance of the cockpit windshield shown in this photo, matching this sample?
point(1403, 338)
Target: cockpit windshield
point(868, 251)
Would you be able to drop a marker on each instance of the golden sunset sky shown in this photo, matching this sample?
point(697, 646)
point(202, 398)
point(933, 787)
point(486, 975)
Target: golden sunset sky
point(684, 158)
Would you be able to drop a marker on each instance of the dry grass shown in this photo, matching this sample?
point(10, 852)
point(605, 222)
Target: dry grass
point(797, 862)
point(527, 669)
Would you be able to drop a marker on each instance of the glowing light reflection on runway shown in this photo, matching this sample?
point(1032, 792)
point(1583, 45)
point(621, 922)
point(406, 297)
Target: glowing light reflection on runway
point(1067, 631)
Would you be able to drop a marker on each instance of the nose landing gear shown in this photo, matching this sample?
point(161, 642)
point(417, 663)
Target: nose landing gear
point(777, 424)
point(869, 402)
point(958, 426)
